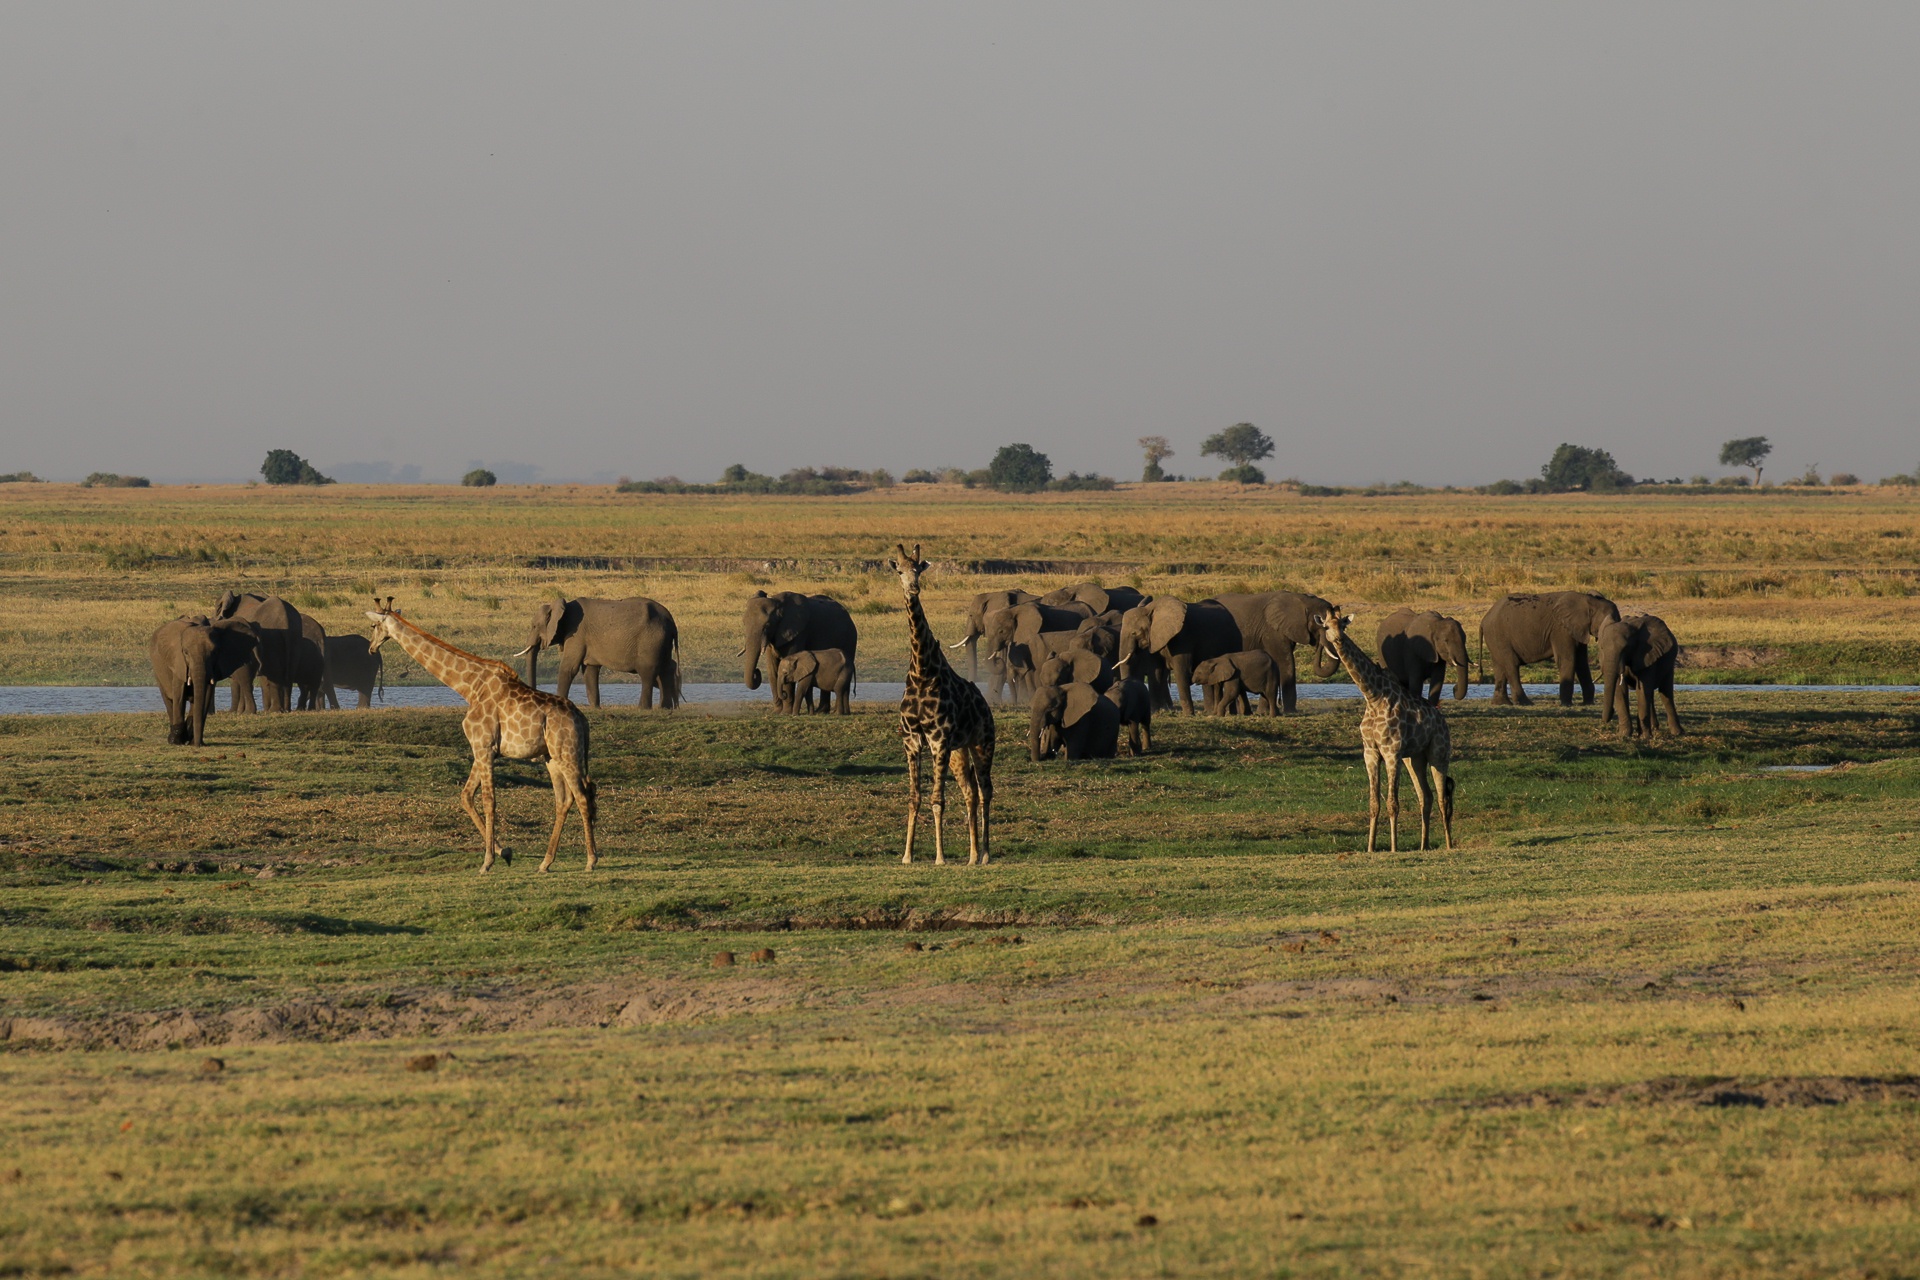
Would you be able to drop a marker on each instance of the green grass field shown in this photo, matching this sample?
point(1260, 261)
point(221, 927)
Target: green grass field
point(1656, 1014)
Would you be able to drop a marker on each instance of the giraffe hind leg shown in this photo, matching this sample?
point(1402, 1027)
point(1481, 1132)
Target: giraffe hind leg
point(913, 797)
point(1391, 767)
point(1425, 796)
point(939, 753)
point(962, 762)
point(983, 784)
point(1373, 797)
point(562, 801)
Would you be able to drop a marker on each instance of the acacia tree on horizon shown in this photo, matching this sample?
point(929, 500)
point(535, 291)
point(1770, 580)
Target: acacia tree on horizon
point(1242, 444)
point(1748, 451)
point(1158, 451)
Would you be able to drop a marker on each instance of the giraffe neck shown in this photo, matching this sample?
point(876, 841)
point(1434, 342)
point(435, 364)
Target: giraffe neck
point(922, 644)
point(461, 672)
point(1374, 684)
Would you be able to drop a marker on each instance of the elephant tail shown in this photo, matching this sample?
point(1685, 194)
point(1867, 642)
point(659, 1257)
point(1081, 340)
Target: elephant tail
point(380, 680)
point(670, 677)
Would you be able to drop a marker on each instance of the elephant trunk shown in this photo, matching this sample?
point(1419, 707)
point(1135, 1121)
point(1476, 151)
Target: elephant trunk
point(1324, 663)
point(752, 651)
point(533, 664)
point(1037, 746)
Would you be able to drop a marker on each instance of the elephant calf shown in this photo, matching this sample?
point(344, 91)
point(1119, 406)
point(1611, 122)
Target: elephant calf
point(1082, 666)
point(1227, 680)
point(1639, 651)
point(1136, 713)
point(1073, 717)
point(799, 674)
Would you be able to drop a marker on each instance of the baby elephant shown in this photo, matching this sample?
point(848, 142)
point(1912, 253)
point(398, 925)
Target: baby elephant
point(1080, 666)
point(799, 674)
point(1227, 681)
point(1640, 651)
point(1136, 714)
point(1073, 716)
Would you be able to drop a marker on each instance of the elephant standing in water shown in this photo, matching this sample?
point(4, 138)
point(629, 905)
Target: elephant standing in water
point(1640, 651)
point(788, 622)
point(983, 604)
point(354, 662)
point(1417, 648)
point(1555, 625)
point(799, 674)
point(190, 657)
point(276, 658)
point(1183, 634)
point(635, 635)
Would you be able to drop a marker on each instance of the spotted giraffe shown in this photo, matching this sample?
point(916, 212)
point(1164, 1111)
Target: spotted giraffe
point(945, 715)
point(504, 718)
point(1395, 727)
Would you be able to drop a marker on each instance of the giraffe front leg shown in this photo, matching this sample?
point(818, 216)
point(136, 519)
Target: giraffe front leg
point(1426, 800)
point(562, 798)
point(913, 797)
point(480, 773)
point(969, 793)
point(939, 801)
point(1443, 785)
point(1392, 767)
point(1373, 796)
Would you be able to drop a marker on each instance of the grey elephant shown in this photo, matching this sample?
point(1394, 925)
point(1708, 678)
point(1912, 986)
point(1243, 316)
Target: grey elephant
point(1075, 666)
point(1552, 626)
point(1073, 718)
point(276, 656)
point(1276, 622)
point(799, 674)
point(1136, 713)
point(633, 634)
point(1226, 681)
point(353, 662)
point(310, 663)
point(1021, 637)
point(1179, 635)
point(1639, 651)
point(190, 657)
point(1417, 648)
point(1099, 637)
point(1095, 597)
point(787, 622)
point(977, 610)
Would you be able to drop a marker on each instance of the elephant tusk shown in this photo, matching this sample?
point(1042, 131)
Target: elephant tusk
point(742, 653)
point(958, 644)
point(524, 652)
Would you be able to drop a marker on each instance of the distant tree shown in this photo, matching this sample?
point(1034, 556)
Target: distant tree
point(1843, 477)
point(1073, 480)
point(20, 477)
point(1158, 451)
point(480, 478)
point(284, 466)
point(1019, 468)
point(1749, 451)
point(1242, 444)
point(1575, 468)
point(735, 474)
point(918, 475)
point(109, 480)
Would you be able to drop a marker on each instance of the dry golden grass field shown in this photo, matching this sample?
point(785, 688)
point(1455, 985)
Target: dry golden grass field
point(1657, 1014)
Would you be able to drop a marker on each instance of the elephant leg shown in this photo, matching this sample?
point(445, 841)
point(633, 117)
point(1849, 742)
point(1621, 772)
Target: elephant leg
point(1181, 666)
point(366, 699)
point(913, 797)
point(1424, 796)
point(1289, 677)
point(563, 679)
point(562, 799)
point(843, 691)
point(939, 754)
point(648, 679)
point(1646, 709)
point(1373, 796)
point(592, 673)
point(1583, 672)
point(1443, 785)
point(1270, 707)
point(1673, 714)
point(1563, 661)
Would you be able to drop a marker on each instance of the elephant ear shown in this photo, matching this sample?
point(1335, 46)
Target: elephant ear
point(787, 630)
point(1080, 700)
point(552, 614)
point(228, 603)
point(1087, 666)
point(1656, 641)
point(1169, 617)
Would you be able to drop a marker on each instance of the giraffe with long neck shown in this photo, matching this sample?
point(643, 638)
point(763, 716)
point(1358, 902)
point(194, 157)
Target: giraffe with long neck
point(943, 714)
point(1395, 727)
point(504, 718)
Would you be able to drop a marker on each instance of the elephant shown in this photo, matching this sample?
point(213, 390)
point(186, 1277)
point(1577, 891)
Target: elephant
point(1075, 666)
point(1638, 651)
point(1097, 598)
point(789, 622)
point(277, 655)
point(1417, 648)
point(1136, 713)
point(1274, 622)
point(1013, 638)
point(310, 663)
point(1179, 635)
point(1227, 680)
point(191, 656)
point(354, 662)
point(982, 605)
point(1533, 628)
point(799, 674)
point(633, 634)
point(1098, 637)
point(1074, 717)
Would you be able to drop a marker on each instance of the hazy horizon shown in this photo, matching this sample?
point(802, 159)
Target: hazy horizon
point(1419, 243)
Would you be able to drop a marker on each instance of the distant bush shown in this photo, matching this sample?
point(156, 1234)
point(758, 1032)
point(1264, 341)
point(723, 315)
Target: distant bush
point(1504, 487)
point(1808, 479)
point(20, 477)
point(1843, 477)
point(1699, 480)
point(803, 481)
point(1020, 468)
point(108, 480)
point(1733, 482)
point(479, 478)
point(1904, 481)
point(920, 475)
point(1074, 480)
point(284, 466)
point(1245, 473)
point(1574, 468)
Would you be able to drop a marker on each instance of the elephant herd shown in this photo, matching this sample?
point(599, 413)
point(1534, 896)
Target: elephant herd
point(1089, 662)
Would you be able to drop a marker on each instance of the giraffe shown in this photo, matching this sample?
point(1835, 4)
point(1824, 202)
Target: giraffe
point(1394, 727)
point(504, 717)
point(944, 714)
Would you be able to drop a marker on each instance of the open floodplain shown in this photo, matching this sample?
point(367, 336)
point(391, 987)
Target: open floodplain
point(1658, 1013)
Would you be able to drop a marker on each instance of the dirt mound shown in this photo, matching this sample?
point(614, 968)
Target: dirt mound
point(1713, 1091)
point(1727, 657)
point(409, 1013)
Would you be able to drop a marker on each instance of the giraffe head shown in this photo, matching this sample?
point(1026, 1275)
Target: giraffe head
point(384, 628)
point(909, 567)
point(1333, 629)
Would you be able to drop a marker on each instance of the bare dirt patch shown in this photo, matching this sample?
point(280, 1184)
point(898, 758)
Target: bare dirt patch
point(1715, 1091)
point(1727, 657)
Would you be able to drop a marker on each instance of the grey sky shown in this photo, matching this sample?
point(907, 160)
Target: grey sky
point(1411, 241)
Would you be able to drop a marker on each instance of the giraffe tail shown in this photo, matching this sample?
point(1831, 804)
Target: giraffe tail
point(590, 797)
